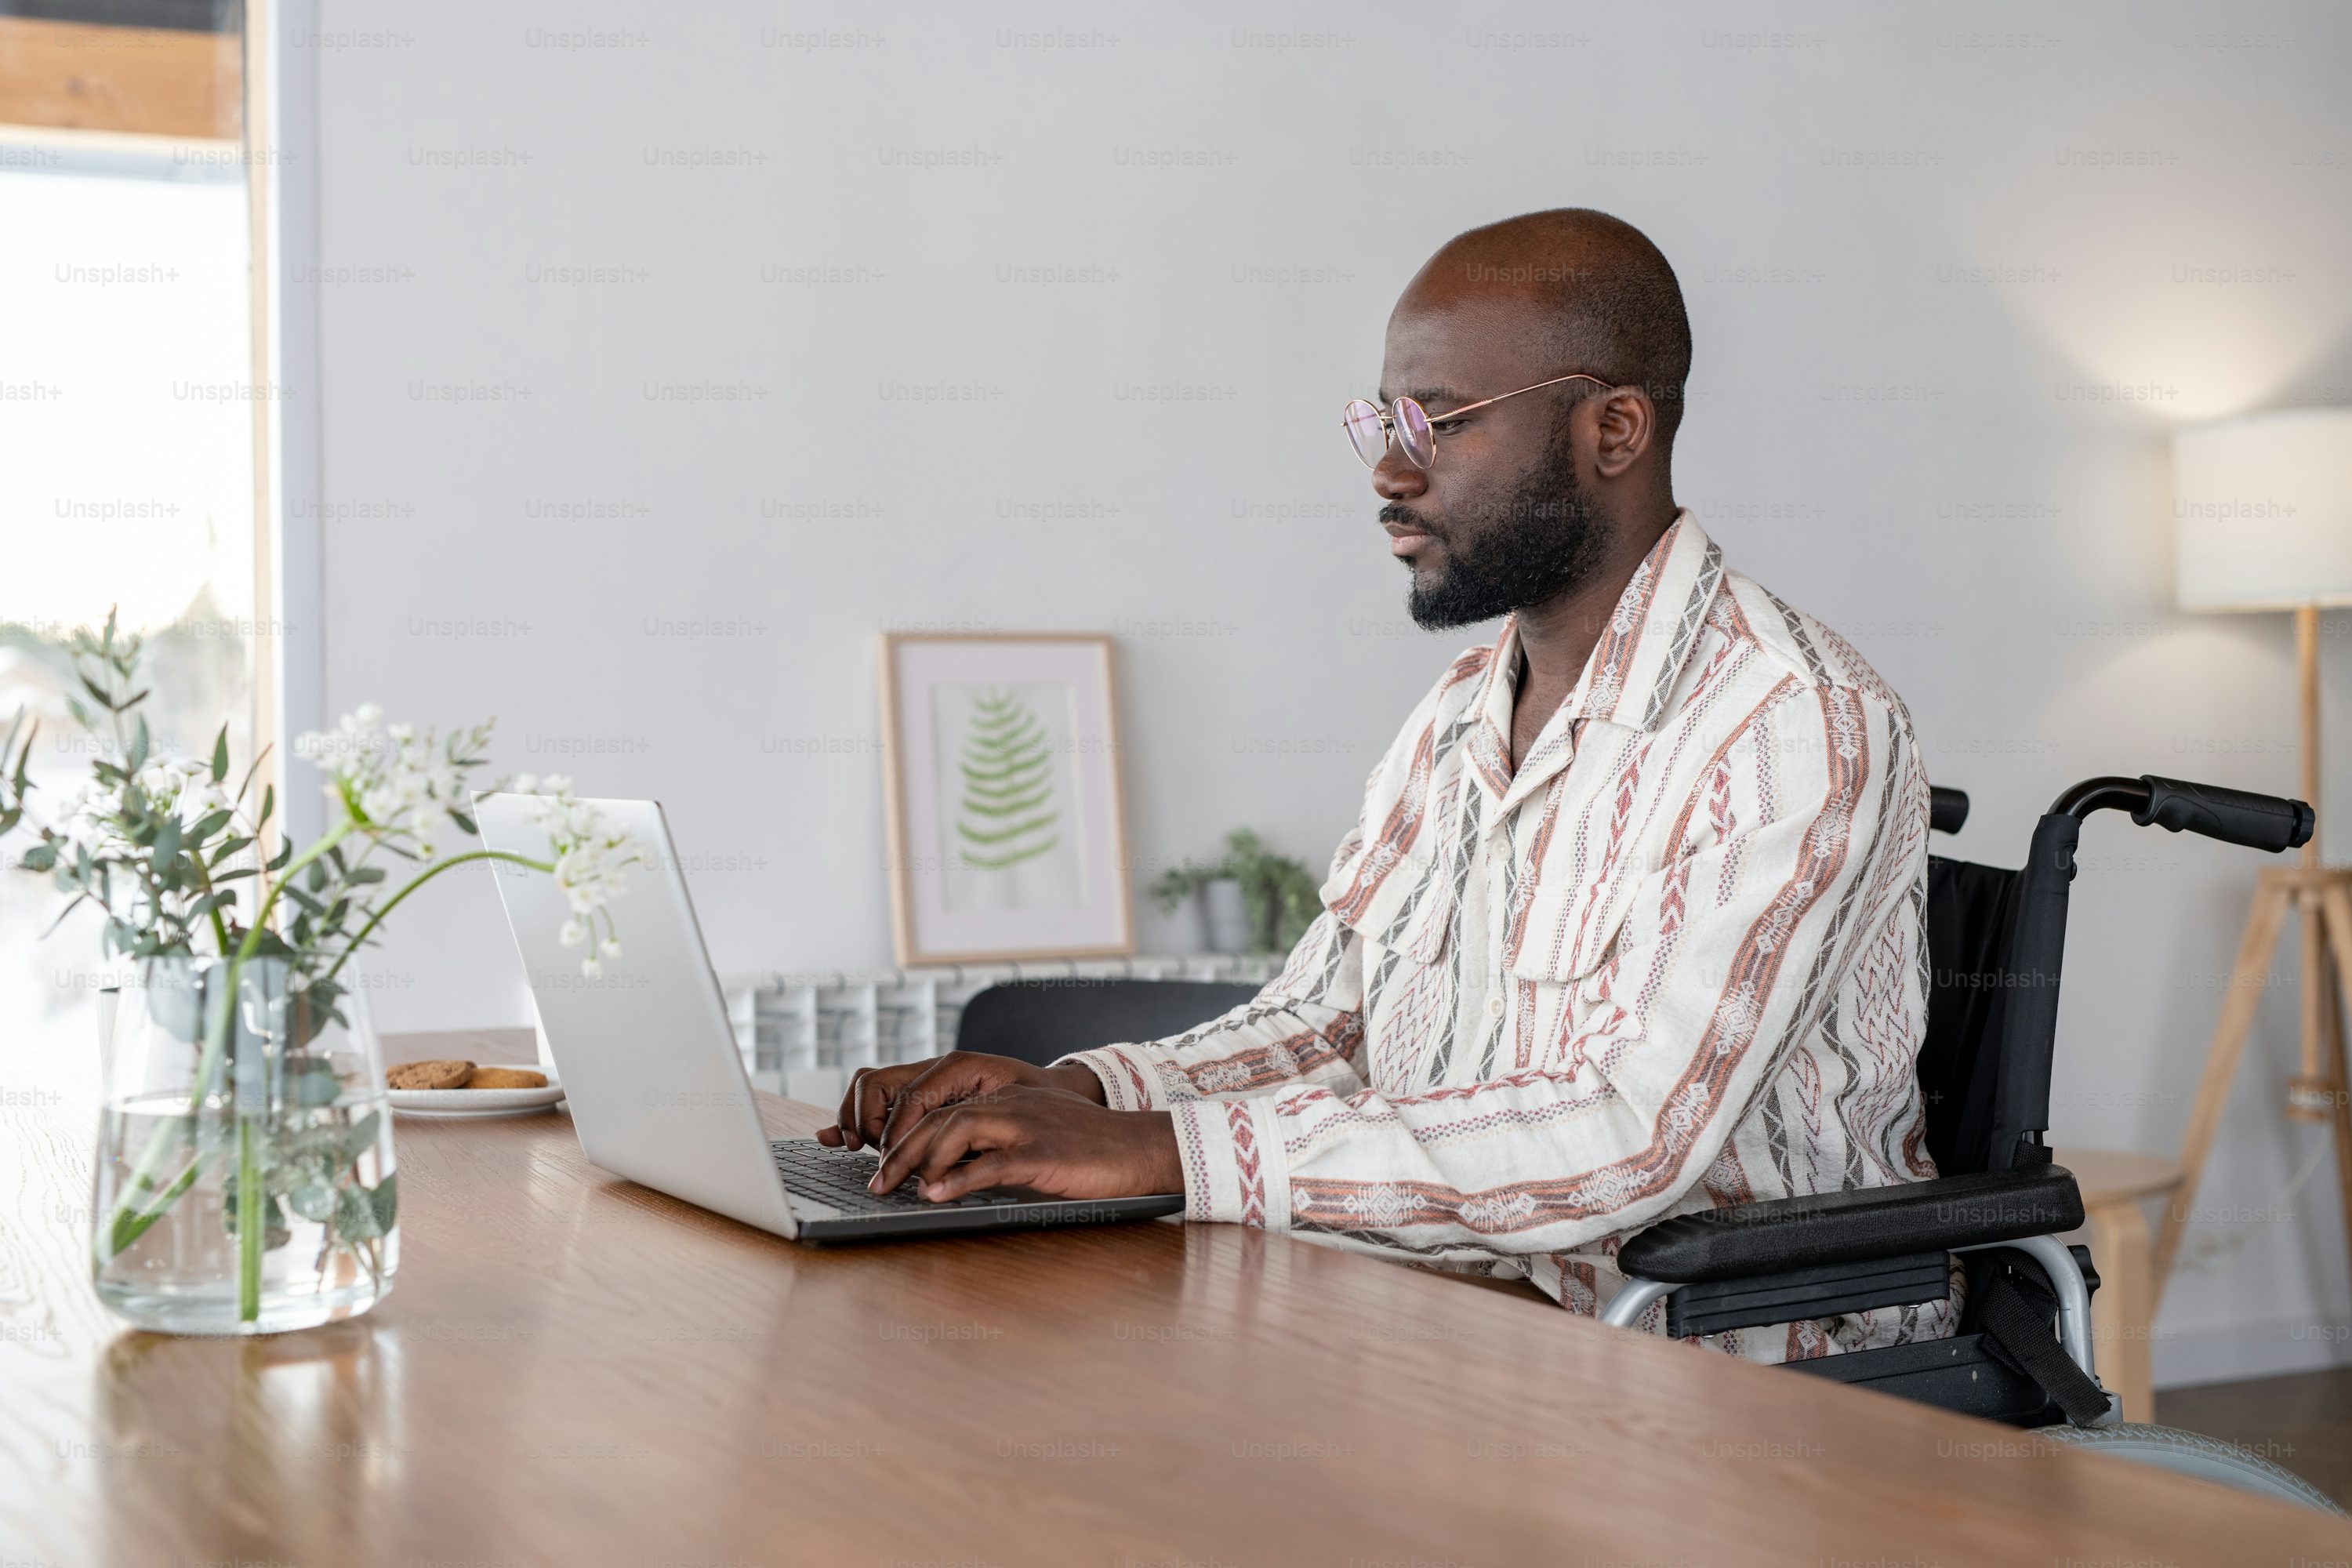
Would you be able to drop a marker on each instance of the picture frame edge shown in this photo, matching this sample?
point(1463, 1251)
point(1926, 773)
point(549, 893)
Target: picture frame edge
point(908, 954)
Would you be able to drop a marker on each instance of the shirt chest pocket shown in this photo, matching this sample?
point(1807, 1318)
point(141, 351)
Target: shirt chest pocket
point(1565, 933)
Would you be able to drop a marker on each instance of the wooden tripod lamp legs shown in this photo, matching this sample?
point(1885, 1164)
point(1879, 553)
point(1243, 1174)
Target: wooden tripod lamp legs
point(2264, 922)
point(2321, 897)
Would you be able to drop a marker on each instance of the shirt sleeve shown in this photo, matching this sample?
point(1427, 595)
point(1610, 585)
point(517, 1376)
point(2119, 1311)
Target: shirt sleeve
point(1724, 961)
point(1306, 1026)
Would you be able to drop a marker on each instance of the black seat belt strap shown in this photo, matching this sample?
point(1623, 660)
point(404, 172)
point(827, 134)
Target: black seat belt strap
point(2014, 1314)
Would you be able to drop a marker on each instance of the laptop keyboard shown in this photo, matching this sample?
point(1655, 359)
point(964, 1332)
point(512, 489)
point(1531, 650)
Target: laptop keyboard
point(837, 1177)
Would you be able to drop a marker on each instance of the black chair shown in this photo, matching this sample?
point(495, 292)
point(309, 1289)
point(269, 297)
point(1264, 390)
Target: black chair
point(1040, 1021)
point(1996, 942)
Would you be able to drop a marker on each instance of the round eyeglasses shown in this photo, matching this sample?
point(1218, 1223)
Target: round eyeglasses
point(1370, 428)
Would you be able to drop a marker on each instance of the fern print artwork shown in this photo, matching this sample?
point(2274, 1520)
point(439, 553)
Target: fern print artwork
point(1007, 814)
point(1007, 797)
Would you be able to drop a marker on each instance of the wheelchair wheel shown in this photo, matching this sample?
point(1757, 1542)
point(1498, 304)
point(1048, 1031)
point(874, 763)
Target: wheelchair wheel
point(2193, 1454)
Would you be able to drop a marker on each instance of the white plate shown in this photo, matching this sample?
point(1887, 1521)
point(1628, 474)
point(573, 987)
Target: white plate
point(477, 1104)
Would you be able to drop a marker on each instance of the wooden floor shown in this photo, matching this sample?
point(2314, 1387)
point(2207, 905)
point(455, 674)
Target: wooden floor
point(2302, 1423)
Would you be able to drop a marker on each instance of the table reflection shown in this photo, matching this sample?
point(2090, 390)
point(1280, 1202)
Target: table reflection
point(280, 1447)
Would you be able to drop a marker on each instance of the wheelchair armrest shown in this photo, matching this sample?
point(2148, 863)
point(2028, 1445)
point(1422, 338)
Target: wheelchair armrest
point(1854, 1226)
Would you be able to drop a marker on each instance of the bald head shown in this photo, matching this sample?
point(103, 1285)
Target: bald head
point(1533, 499)
point(1597, 295)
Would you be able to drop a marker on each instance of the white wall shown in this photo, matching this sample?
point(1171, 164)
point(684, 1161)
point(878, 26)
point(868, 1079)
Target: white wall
point(1948, 283)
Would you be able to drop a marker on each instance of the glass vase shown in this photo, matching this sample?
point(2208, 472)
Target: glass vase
point(245, 1178)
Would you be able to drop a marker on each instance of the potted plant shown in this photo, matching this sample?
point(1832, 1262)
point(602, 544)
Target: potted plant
point(1252, 900)
point(245, 1172)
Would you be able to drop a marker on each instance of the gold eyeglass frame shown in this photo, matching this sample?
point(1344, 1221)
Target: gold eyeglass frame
point(1392, 419)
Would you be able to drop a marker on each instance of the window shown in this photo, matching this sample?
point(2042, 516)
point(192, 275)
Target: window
point(127, 407)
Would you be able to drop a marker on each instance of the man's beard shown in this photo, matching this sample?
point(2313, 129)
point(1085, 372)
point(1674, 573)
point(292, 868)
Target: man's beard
point(1538, 544)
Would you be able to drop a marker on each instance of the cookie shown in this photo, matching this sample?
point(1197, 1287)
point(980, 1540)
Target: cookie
point(506, 1077)
point(428, 1075)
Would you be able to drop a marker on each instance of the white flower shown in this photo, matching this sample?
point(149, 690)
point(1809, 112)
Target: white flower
point(93, 821)
point(395, 782)
point(590, 856)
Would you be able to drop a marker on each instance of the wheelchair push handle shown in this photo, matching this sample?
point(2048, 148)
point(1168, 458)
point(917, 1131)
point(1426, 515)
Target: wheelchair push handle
point(2233, 815)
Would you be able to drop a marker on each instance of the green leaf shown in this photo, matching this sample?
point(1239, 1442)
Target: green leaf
point(228, 846)
point(267, 943)
point(384, 1199)
point(269, 800)
point(315, 1084)
point(138, 744)
point(285, 853)
point(276, 1230)
point(361, 1135)
point(41, 856)
point(167, 844)
point(355, 1216)
point(98, 694)
point(220, 757)
point(363, 875)
point(212, 822)
point(78, 901)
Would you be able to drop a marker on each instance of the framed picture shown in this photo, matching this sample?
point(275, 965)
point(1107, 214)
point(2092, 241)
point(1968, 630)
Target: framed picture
point(1008, 839)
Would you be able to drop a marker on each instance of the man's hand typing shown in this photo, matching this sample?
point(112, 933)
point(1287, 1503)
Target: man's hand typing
point(1037, 1137)
point(885, 1104)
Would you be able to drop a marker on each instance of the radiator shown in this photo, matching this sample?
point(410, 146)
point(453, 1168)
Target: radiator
point(802, 1034)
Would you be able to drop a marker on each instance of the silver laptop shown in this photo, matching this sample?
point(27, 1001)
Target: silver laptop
point(655, 1081)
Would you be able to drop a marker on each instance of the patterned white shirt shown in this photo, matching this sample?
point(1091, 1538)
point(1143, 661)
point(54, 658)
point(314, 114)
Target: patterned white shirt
point(1675, 960)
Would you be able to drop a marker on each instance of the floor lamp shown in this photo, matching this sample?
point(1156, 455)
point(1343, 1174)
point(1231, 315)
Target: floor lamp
point(2263, 520)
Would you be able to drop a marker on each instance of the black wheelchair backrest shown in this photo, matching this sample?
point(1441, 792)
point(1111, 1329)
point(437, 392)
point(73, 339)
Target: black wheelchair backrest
point(1997, 941)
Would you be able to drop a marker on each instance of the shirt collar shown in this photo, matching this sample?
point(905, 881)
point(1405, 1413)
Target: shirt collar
point(1632, 671)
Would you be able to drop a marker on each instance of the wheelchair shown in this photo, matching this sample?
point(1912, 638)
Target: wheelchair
point(2022, 1353)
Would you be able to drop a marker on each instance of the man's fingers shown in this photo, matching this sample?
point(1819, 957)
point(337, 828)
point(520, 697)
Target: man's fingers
point(850, 1126)
point(940, 1083)
point(994, 1169)
point(829, 1136)
point(903, 1148)
point(844, 1129)
point(878, 1092)
point(966, 1130)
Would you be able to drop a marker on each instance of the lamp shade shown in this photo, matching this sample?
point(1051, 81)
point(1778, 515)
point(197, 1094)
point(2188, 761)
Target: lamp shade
point(2261, 512)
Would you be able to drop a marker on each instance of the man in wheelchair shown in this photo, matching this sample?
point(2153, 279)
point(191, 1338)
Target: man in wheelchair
point(1631, 923)
point(1622, 984)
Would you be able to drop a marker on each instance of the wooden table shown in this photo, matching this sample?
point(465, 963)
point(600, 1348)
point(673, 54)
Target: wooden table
point(573, 1370)
point(2123, 1314)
